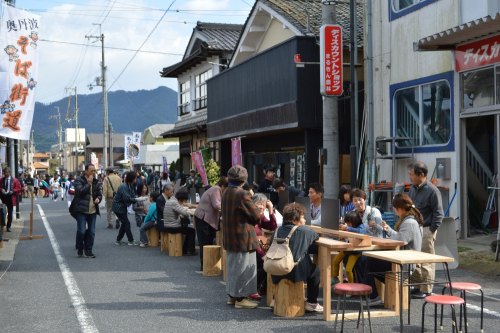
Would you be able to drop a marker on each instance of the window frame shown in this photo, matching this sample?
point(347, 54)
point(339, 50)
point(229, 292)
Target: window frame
point(184, 106)
point(197, 100)
point(449, 78)
point(483, 110)
point(395, 14)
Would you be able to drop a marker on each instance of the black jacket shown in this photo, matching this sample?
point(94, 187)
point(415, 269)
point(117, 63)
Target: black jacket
point(82, 194)
point(160, 206)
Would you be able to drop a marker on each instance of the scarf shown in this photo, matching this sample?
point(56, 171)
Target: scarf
point(234, 185)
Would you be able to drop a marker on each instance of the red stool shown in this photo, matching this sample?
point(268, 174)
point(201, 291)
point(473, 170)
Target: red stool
point(463, 287)
point(353, 289)
point(442, 300)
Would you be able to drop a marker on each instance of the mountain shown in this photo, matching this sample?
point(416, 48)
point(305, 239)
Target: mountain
point(128, 111)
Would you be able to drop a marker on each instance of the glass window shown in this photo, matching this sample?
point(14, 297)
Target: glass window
point(402, 4)
point(478, 88)
point(424, 114)
point(201, 89)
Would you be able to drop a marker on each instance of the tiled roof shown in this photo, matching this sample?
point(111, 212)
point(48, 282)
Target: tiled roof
point(187, 124)
point(220, 36)
point(158, 129)
point(37, 165)
point(96, 141)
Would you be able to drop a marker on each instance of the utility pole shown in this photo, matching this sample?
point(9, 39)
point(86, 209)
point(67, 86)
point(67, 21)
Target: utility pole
point(104, 102)
point(32, 150)
point(330, 123)
point(77, 133)
point(60, 137)
point(354, 94)
point(111, 153)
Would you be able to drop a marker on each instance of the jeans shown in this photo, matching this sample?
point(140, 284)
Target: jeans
point(188, 245)
point(85, 232)
point(124, 227)
point(145, 227)
point(206, 234)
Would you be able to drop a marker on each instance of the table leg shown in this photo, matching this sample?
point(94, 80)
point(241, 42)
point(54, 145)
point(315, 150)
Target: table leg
point(401, 291)
point(409, 293)
point(325, 264)
point(447, 270)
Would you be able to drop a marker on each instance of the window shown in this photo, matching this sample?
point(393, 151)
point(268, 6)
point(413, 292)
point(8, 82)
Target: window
point(399, 5)
point(423, 112)
point(400, 8)
point(478, 88)
point(183, 108)
point(201, 90)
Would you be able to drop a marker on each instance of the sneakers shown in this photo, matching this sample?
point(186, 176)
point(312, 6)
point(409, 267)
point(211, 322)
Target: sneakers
point(272, 304)
point(144, 245)
point(420, 295)
point(256, 296)
point(120, 242)
point(133, 243)
point(231, 301)
point(334, 281)
point(375, 302)
point(245, 304)
point(89, 255)
point(310, 307)
point(80, 253)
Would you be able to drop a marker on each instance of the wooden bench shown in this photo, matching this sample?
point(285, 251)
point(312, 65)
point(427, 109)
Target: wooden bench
point(164, 241)
point(153, 236)
point(289, 299)
point(175, 245)
point(211, 260)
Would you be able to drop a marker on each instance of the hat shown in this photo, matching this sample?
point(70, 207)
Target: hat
point(110, 169)
point(192, 170)
point(270, 168)
point(237, 174)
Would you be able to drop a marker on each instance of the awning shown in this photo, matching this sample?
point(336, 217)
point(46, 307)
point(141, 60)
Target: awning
point(448, 39)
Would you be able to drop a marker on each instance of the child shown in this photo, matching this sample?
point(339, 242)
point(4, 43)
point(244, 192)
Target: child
point(150, 220)
point(353, 223)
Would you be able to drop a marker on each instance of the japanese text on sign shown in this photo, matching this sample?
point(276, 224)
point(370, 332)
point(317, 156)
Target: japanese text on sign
point(477, 54)
point(331, 60)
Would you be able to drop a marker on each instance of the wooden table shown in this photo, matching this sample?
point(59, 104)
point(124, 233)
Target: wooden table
point(408, 257)
point(325, 248)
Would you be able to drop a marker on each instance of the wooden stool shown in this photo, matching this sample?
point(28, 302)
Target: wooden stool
point(289, 299)
point(353, 289)
point(270, 290)
point(175, 245)
point(211, 260)
point(164, 241)
point(463, 287)
point(442, 300)
point(153, 236)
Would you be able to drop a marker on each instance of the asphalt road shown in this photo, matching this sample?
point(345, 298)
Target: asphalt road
point(133, 289)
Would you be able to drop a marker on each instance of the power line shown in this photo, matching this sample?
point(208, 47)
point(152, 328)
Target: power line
point(109, 47)
point(114, 3)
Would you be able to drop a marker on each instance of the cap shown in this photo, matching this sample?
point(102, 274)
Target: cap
point(192, 170)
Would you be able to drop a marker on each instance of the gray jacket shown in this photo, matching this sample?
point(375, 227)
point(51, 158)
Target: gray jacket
point(375, 216)
point(409, 232)
point(172, 213)
point(427, 199)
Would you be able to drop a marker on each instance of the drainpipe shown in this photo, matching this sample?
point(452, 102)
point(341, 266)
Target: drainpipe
point(371, 141)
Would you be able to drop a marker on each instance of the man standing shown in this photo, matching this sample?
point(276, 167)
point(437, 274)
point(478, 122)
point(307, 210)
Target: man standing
point(266, 185)
point(88, 196)
point(150, 181)
point(177, 175)
point(427, 198)
point(157, 186)
point(11, 188)
point(193, 181)
point(30, 184)
point(111, 184)
point(168, 191)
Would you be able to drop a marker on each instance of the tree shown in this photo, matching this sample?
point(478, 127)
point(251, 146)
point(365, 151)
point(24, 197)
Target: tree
point(53, 164)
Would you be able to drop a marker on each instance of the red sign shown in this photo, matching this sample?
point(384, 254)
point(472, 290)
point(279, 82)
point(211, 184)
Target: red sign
point(200, 166)
point(477, 54)
point(236, 151)
point(331, 60)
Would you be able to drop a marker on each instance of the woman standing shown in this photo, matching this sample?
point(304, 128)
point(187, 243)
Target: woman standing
point(164, 180)
point(172, 214)
point(70, 189)
point(141, 207)
point(372, 219)
point(239, 217)
point(346, 204)
point(124, 197)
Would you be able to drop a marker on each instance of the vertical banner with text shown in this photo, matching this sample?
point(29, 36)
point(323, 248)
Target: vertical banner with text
point(18, 71)
point(127, 143)
point(331, 60)
point(200, 166)
point(236, 151)
point(164, 163)
point(94, 160)
point(136, 139)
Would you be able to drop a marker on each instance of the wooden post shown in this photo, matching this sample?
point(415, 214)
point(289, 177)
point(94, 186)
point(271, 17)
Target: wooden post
point(270, 290)
point(30, 237)
point(175, 245)
point(164, 241)
point(289, 299)
point(325, 263)
point(391, 301)
point(211, 260)
point(153, 236)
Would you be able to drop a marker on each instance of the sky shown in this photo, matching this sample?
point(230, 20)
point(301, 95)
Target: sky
point(125, 24)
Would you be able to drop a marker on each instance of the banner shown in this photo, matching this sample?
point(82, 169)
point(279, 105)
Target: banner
point(18, 71)
point(236, 151)
point(164, 162)
point(136, 139)
point(94, 160)
point(200, 166)
point(128, 142)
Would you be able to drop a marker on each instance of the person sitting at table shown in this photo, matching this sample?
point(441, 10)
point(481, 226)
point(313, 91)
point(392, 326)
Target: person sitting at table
point(346, 204)
point(408, 230)
point(172, 214)
point(353, 223)
point(301, 239)
point(149, 220)
point(372, 219)
point(260, 200)
point(316, 192)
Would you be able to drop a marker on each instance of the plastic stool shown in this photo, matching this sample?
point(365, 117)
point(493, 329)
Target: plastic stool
point(353, 289)
point(463, 287)
point(442, 300)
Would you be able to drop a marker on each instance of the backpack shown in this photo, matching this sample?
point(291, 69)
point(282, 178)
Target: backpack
point(279, 258)
point(71, 188)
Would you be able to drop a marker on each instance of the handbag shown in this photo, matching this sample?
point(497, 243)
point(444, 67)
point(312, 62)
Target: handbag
point(279, 258)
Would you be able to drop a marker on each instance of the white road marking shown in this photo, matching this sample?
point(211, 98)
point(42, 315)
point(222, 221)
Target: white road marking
point(478, 308)
point(82, 313)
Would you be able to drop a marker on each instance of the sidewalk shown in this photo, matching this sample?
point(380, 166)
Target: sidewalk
point(476, 255)
point(9, 247)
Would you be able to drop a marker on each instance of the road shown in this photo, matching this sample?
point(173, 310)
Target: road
point(46, 288)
